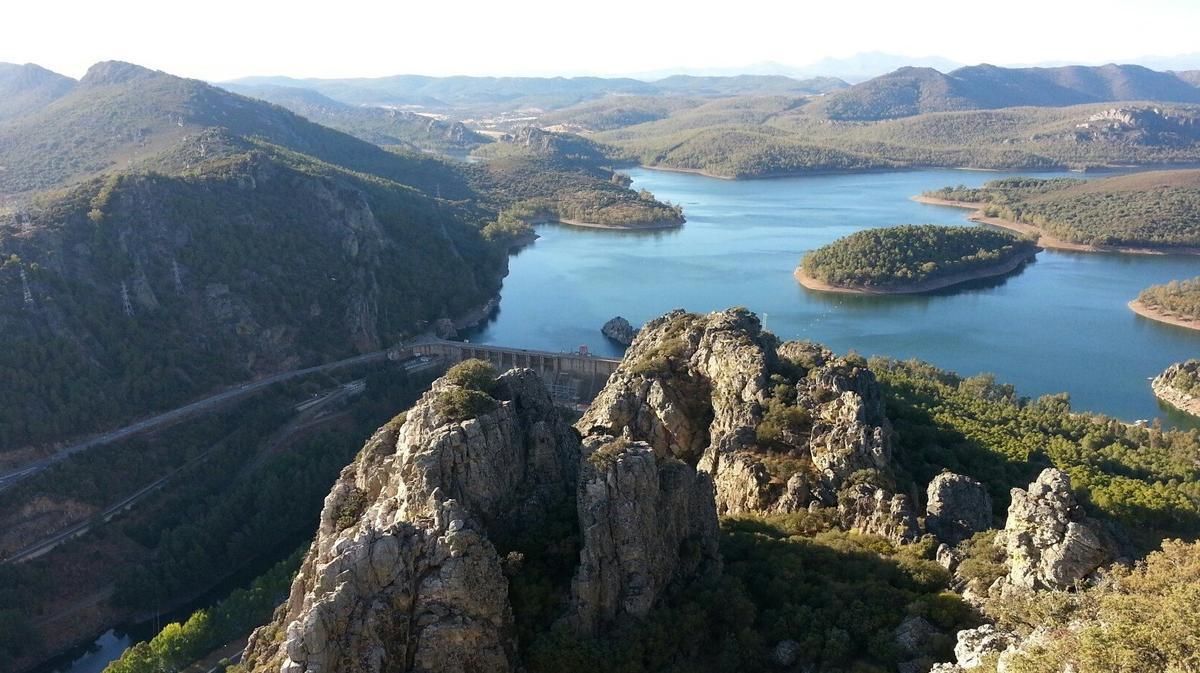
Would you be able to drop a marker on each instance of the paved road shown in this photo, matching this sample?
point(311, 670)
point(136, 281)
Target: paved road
point(175, 415)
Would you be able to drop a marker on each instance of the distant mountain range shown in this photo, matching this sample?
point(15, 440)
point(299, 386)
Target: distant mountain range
point(25, 88)
point(547, 93)
point(911, 91)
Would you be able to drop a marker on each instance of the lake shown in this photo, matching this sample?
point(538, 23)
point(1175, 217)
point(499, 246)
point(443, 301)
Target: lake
point(1059, 324)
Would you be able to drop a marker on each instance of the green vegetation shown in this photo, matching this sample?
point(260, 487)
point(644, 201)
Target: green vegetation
point(180, 644)
point(912, 254)
point(1158, 209)
point(764, 136)
point(1176, 298)
point(247, 499)
point(839, 595)
point(537, 175)
point(377, 125)
point(1138, 619)
point(1186, 378)
point(1146, 478)
point(470, 393)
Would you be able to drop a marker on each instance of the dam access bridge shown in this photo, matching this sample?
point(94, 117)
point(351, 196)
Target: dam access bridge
point(573, 378)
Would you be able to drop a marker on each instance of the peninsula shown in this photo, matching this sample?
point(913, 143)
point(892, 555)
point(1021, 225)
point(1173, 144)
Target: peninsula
point(1175, 303)
point(910, 259)
point(1142, 213)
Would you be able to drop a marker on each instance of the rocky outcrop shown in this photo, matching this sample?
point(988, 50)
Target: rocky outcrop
point(872, 510)
point(956, 507)
point(698, 387)
point(1177, 386)
point(402, 575)
point(646, 520)
point(619, 330)
point(1049, 542)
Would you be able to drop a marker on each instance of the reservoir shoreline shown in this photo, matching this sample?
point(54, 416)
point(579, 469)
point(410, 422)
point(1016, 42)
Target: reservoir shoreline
point(1045, 240)
point(1158, 315)
point(1008, 266)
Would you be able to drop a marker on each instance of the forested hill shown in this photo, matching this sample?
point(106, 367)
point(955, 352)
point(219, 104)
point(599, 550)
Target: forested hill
point(913, 91)
point(25, 88)
point(123, 116)
point(378, 125)
point(196, 238)
point(1157, 209)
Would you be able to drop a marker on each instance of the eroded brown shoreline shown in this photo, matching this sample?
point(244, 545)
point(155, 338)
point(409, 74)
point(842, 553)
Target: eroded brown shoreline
point(1045, 240)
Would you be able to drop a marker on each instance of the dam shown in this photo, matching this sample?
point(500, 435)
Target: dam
point(574, 378)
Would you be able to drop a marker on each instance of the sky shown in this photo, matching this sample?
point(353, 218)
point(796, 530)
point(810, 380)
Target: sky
point(224, 39)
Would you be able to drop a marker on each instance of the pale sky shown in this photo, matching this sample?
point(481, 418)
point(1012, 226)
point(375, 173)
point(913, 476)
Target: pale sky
point(224, 39)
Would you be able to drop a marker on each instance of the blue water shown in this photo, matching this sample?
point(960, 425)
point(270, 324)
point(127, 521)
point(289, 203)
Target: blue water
point(1060, 324)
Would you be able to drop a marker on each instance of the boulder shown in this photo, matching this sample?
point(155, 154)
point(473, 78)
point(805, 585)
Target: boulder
point(956, 508)
point(976, 644)
point(915, 634)
point(874, 511)
point(619, 330)
point(1050, 543)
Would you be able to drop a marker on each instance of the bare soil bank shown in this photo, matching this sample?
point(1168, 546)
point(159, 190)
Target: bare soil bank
point(1044, 240)
point(1163, 316)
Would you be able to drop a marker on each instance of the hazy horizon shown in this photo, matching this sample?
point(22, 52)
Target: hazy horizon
point(304, 40)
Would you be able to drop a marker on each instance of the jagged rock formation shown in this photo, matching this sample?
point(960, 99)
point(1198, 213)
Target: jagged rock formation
point(777, 426)
point(619, 330)
point(956, 507)
point(872, 510)
point(402, 575)
point(645, 520)
point(1049, 542)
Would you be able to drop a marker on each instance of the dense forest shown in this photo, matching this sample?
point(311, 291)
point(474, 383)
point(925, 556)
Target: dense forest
point(1178, 297)
point(1156, 209)
point(912, 254)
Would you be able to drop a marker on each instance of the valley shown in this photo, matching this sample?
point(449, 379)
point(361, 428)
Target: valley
point(329, 374)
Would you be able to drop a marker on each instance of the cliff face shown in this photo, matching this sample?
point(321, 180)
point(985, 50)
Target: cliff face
point(778, 426)
point(404, 574)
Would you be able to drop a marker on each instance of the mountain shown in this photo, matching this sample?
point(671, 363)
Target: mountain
point(912, 91)
point(864, 66)
point(461, 92)
point(195, 237)
point(378, 125)
point(124, 116)
point(760, 85)
point(29, 87)
point(1190, 76)
point(547, 93)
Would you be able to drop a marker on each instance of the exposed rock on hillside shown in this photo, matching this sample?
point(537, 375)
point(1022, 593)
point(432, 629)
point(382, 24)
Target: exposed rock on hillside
point(1049, 542)
point(777, 426)
point(646, 520)
point(619, 330)
point(402, 575)
point(1176, 386)
point(872, 510)
point(957, 507)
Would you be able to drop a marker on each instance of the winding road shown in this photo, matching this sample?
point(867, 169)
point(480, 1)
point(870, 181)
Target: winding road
point(181, 413)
